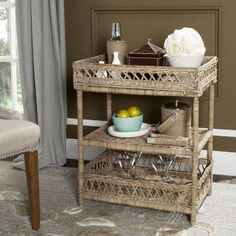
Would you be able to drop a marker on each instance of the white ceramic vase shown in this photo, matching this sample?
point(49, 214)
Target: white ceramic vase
point(185, 61)
point(115, 61)
point(101, 73)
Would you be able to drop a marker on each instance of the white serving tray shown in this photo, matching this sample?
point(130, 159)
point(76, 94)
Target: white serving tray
point(143, 130)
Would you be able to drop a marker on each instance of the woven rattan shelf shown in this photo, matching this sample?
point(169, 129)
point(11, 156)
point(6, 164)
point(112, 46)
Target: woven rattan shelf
point(102, 180)
point(101, 138)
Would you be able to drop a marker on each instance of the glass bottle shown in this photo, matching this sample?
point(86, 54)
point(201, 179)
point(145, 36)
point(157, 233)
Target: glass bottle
point(116, 44)
point(116, 32)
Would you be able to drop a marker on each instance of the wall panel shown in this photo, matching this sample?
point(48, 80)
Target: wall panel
point(88, 26)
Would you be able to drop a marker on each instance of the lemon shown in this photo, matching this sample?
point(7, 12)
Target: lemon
point(134, 111)
point(123, 114)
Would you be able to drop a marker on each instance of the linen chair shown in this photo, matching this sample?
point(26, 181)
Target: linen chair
point(22, 137)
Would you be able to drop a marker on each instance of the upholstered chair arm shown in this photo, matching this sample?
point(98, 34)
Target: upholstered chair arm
point(9, 114)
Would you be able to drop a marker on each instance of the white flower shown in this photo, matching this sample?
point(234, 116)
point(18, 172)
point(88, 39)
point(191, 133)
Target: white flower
point(184, 42)
point(175, 48)
point(178, 34)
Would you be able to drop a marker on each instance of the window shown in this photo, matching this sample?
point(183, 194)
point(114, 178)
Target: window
point(10, 89)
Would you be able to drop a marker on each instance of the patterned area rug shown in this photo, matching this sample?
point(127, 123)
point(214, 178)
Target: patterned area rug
point(61, 215)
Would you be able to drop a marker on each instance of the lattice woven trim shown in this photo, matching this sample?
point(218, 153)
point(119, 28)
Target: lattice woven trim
point(104, 182)
point(169, 79)
point(31, 149)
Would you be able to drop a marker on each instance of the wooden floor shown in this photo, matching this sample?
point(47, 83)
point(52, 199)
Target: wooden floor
point(224, 179)
point(216, 178)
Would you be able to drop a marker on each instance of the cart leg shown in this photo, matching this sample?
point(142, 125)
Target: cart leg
point(109, 107)
point(109, 118)
point(80, 148)
point(210, 124)
point(193, 220)
point(195, 158)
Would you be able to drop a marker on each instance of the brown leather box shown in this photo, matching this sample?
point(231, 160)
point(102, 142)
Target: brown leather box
point(149, 54)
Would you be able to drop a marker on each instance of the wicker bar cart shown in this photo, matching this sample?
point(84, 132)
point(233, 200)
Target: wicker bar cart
point(190, 176)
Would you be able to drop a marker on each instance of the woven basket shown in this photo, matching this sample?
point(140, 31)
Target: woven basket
point(180, 126)
point(105, 181)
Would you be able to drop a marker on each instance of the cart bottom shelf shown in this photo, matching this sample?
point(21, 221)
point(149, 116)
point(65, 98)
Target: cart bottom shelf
point(105, 181)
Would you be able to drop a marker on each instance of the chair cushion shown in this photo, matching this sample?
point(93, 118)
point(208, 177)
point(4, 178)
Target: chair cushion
point(17, 136)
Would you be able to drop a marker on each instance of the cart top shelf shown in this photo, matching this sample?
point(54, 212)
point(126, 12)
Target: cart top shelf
point(144, 80)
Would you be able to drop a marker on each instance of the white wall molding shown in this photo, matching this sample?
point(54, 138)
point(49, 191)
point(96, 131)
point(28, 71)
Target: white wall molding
point(91, 123)
point(89, 152)
point(224, 162)
point(229, 133)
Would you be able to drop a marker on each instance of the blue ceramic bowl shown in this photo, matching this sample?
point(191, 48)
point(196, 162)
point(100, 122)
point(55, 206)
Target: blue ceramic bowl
point(129, 124)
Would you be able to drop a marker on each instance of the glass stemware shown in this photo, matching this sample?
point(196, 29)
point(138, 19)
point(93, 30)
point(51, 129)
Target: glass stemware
point(162, 164)
point(126, 162)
